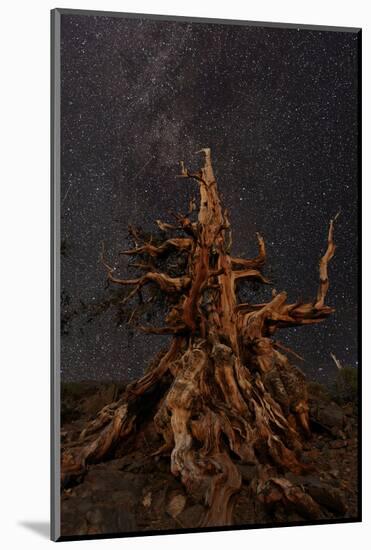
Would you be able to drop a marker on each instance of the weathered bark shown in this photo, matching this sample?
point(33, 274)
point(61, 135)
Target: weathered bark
point(231, 396)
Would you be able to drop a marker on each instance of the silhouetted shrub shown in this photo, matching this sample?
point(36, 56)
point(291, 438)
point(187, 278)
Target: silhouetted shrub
point(346, 385)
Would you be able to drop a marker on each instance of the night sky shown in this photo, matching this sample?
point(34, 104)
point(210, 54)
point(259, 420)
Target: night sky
point(277, 107)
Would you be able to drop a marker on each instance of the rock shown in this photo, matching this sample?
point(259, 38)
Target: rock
point(94, 517)
point(328, 497)
point(338, 444)
point(73, 521)
point(304, 481)
point(139, 466)
point(349, 409)
point(248, 472)
point(192, 516)
point(116, 464)
point(125, 521)
point(113, 480)
point(104, 394)
point(163, 465)
point(329, 415)
point(308, 457)
point(176, 505)
point(137, 492)
point(126, 498)
point(147, 500)
point(111, 519)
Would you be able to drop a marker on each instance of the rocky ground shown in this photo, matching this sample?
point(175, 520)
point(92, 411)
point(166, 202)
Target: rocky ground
point(134, 491)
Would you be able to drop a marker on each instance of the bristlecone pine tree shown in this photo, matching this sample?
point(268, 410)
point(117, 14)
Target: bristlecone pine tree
point(223, 392)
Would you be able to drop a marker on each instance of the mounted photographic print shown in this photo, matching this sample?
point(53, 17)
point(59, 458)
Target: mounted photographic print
point(205, 334)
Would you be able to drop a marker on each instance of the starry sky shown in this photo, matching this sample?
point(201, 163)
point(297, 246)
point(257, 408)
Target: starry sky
point(278, 108)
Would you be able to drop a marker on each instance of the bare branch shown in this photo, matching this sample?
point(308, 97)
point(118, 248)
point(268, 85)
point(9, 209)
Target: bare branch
point(323, 275)
point(185, 173)
point(167, 284)
point(336, 361)
point(251, 274)
point(256, 262)
point(154, 251)
point(165, 226)
point(163, 330)
point(278, 314)
point(286, 349)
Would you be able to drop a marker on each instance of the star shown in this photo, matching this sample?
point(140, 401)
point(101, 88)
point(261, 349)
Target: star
point(277, 107)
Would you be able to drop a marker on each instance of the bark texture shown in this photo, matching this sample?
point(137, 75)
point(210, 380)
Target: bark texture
point(225, 393)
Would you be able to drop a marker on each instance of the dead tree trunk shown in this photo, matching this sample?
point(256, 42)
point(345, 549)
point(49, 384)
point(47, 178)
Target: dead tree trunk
point(230, 393)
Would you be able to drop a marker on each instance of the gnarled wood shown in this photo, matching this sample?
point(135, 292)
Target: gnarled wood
point(231, 396)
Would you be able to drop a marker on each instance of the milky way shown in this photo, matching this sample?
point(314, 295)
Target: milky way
point(278, 108)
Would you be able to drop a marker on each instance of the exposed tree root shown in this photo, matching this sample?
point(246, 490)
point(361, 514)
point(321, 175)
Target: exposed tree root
point(229, 395)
